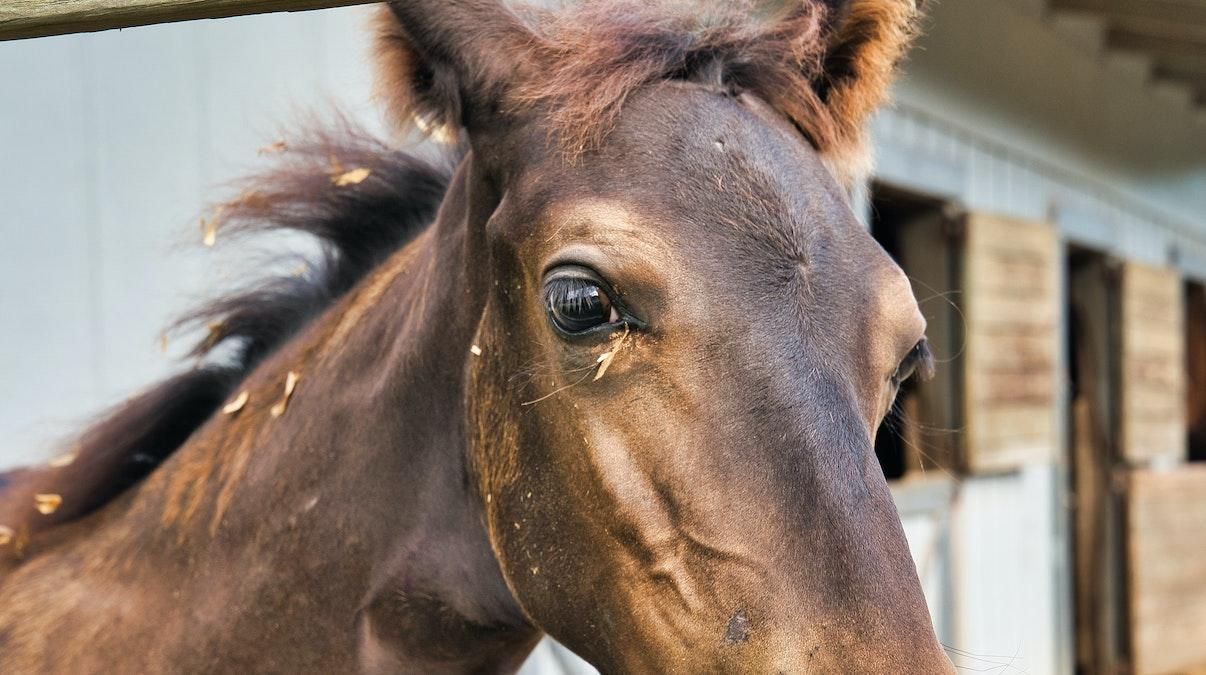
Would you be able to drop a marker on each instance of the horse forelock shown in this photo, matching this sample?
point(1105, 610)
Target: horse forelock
point(599, 54)
point(357, 224)
point(824, 65)
point(824, 70)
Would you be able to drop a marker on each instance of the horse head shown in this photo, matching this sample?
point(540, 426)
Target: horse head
point(685, 340)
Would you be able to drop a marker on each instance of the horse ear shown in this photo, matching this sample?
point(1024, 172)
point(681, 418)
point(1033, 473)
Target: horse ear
point(442, 67)
point(865, 41)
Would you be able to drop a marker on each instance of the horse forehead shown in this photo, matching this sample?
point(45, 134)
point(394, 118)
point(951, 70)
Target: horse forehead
point(731, 155)
point(689, 120)
point(685, 159)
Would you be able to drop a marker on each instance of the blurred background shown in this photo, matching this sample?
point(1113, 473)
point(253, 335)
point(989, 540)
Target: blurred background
point(1042, 179)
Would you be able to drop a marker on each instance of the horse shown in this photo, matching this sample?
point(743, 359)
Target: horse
point(610, 372)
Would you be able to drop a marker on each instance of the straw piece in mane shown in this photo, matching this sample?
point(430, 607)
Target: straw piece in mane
point(825, 69)
point(357, 227)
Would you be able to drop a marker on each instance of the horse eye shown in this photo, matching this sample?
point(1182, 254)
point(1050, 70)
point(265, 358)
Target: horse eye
point(918, 358)
point(577, 305)
point(904, 371)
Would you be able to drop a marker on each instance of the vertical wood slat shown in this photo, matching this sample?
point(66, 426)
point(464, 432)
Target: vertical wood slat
point(1153, 365)
point(1011, 310)
point(20, 19)
point(1166, 521)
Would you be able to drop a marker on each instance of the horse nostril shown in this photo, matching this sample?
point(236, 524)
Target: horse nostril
point(738, 629)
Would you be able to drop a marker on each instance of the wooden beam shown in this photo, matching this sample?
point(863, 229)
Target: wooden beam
point(1181, 47)
point(1182, 31)
point(1172, 11)
point(39, 18)
point(1195, 81)
point(1188, 64)
point(1188, 69)
point(1171, 30)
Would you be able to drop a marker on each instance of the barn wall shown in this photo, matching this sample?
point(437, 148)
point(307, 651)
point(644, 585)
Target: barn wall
point(113, 142)
point(1003, 114)
point(989, 558)
point(1012, 116)
point(1009, 563)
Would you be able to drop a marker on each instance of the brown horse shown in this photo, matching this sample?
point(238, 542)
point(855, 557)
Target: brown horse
point(615, 379)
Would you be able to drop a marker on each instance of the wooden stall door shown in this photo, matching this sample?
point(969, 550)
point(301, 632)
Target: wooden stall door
point(1166, 505)
point(1139, 536)
point(1153, 376)
point(989, 287)
point(1011, 313)
point(1167, 548)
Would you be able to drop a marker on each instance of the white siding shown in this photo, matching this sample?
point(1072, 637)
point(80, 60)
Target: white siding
point(112, 144)
point(1007, 560)
point(1006, 114)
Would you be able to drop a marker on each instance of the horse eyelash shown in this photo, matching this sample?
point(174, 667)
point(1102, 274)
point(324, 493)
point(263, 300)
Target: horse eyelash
point(919, 361)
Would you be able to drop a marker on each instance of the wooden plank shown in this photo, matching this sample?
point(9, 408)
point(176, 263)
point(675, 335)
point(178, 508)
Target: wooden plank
point(1172, 11)
point(1186, 67)
point(1015, 357)
point(1166, 519)
point(21, 19)
point(1011, 310)
point(1157, 46)
point(1011, 389)
point(1153, 365)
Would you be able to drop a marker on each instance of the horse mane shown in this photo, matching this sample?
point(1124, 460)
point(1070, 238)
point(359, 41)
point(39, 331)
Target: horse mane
point(359, 199)
point(825, 65)
point(598, 54)
point(825, 70)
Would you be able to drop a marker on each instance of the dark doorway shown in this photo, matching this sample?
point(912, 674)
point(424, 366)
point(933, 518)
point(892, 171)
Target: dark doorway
point(1195, 369)
point(1093, 355)
point(921, 432)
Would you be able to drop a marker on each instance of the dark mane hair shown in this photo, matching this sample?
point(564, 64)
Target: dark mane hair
point(598, 54)
point(825, 65)
point(319, 187)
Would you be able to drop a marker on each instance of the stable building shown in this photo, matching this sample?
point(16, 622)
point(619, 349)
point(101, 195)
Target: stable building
point(1041, 178)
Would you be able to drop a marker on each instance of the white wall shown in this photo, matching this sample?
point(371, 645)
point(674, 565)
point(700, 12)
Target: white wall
point(1007, 562)
point(111, 144)
point(1010, 75)
point(1004, 112)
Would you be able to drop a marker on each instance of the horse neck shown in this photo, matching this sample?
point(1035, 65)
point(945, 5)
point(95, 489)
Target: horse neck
point(364, 475)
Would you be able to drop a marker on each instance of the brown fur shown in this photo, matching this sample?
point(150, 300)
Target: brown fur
point(424, 88)
point(861, 64)
point(396, 67)
point(599, 55)
point(827, 74)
